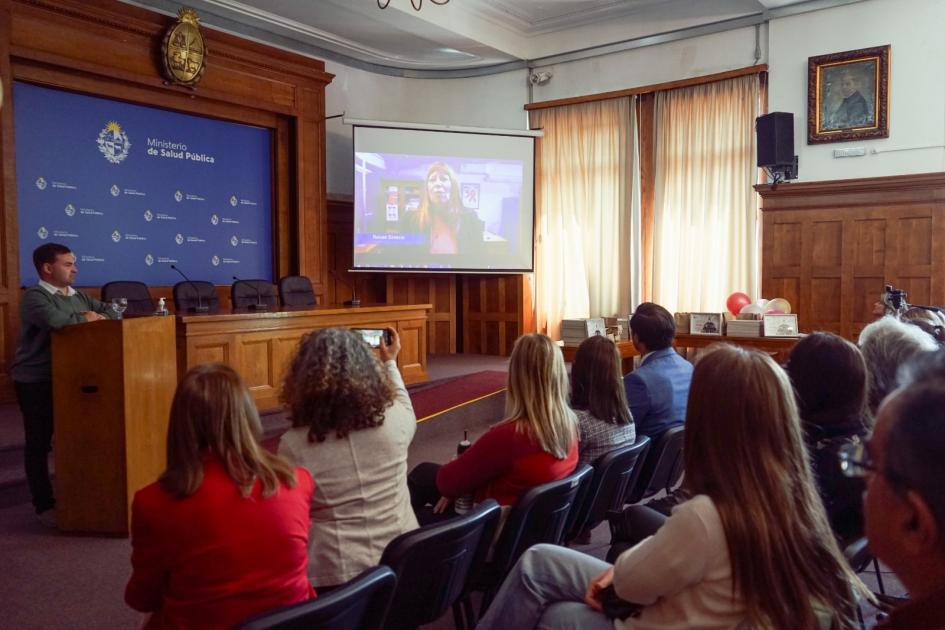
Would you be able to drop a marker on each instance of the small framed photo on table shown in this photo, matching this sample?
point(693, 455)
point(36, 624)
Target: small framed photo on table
point(780, 325)
point(705, 324)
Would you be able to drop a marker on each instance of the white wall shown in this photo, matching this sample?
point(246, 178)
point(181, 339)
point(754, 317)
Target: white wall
point(495, 101)
point(913, 28)
point(916, 87)
point(681, 59)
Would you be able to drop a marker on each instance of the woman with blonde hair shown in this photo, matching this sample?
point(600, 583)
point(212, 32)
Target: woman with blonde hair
point(535, 444)
point(752, 548)
point(223, 534)
point(352, 423)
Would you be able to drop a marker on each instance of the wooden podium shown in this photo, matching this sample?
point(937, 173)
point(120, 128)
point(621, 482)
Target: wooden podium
point(113, 382)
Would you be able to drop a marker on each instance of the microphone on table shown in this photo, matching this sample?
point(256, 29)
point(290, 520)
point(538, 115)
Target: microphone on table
point(354, 301)
point(259, 305)
point(200, 307)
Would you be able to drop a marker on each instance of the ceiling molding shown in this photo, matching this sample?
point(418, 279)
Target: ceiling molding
point(322, 37)
point(508, 14)
point(260, 25)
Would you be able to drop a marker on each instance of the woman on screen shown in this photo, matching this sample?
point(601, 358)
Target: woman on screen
point(223, 533)
point(448, 227)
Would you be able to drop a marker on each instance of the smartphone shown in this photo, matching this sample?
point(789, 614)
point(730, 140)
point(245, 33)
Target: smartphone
point(373, 336)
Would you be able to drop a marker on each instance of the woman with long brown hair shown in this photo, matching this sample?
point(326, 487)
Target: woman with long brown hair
point(535, 444)
point(829, 377)
point(599, 400)
point(752, 547)
point(223, 533)
point(352, 423)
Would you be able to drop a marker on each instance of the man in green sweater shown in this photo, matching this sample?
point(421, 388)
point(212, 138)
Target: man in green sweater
point(50, 305)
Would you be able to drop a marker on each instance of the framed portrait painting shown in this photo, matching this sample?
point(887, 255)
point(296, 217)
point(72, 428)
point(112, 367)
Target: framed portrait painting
point(848, 95)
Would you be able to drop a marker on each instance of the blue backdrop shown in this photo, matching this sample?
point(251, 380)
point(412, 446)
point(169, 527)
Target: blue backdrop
point(132, 190)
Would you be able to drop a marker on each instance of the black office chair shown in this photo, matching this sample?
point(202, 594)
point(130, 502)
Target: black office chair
point(614, 472)
point(663, 466)
point(859, 557)
point(253, 295)
point(191, 295)
point(296, 291)
point(137, 294)
point(540, 516)
point(433, 565)
point(360, 604)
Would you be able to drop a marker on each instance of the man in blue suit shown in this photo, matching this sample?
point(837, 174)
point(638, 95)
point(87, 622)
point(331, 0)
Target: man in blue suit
point(657, 390)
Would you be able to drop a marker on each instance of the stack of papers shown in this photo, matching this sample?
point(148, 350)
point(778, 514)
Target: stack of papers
point(574, 331)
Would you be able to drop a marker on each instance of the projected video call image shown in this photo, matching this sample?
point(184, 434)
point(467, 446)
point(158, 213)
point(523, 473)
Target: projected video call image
point(432, 212)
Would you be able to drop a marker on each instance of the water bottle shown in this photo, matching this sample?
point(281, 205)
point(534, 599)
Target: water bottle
point(162, 307)
point(464, 503)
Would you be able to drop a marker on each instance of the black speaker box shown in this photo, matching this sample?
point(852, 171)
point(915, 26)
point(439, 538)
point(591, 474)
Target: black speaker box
point(775, 139)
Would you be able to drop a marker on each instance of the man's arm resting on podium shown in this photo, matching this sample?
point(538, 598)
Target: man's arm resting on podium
point(39, 309)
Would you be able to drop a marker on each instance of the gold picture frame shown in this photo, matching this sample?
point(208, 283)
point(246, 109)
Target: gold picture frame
point(848, 95)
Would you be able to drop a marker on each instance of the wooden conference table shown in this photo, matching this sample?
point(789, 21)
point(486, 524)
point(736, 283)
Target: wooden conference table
point(778, 347)
point(114, 380)
point(260, 345)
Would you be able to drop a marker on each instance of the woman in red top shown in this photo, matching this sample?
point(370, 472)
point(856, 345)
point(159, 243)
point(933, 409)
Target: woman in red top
point(223, 534)
point(537, 442)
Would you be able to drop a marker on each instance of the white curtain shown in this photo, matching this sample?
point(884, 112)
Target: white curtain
point(705, 242)
point(585, 236)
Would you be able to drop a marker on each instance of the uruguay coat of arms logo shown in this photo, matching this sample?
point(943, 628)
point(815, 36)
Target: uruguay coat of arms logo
point(113, 143)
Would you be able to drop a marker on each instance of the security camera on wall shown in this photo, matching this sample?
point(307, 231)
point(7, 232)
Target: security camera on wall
point(540, 78)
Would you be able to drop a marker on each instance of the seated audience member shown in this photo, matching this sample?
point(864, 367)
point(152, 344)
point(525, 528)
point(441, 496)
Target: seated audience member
point(352, 423)
point(886, 345)
point(535, 444)
point(928, 320)
point(751, 549)
point(926, 365)
point(829, 377)
point(598, 399)
point(904, 464)
point(658, 389)
point(223, 534)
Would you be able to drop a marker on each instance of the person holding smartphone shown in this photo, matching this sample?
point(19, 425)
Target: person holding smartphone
point(352, 423)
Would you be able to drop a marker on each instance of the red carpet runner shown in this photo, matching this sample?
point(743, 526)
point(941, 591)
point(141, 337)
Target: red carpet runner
point(432, 399)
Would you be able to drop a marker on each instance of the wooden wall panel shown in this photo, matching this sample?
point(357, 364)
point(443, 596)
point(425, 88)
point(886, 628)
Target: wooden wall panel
point(371, 288)
point(436, 289)
point(496, 311)
point(111, 49)
point(837, 243)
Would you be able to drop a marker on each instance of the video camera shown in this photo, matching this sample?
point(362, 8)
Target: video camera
point(894, 299)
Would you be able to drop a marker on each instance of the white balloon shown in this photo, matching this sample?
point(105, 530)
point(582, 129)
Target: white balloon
point(752, 309)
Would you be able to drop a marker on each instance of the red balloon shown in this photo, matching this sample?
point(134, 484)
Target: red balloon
point(736, 302)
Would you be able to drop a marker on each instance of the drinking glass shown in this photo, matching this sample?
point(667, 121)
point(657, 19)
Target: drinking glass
point(119, 305)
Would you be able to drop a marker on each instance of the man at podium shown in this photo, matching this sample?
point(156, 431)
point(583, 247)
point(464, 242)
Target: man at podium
point(48, 306)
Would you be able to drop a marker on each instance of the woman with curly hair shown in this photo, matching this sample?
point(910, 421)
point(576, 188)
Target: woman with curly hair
point(352, 422)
